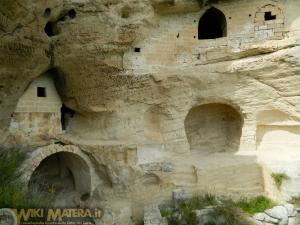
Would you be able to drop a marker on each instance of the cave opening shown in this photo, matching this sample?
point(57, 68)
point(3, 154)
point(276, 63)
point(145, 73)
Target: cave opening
point(66, 115)
point(60, 173)
point(137, 49)
point(212, 25)
point(47, 12)
point(214, 127)
point(72, 13)
point(50, 29)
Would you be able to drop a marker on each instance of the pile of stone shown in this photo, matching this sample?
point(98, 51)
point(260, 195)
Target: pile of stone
point(282, 215)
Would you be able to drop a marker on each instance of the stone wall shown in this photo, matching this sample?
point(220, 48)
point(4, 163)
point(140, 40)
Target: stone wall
point(37, 116)
point(50, 102)
point(174, 43)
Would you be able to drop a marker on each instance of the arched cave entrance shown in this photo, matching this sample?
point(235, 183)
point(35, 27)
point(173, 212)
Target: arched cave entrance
point(212, 25)
point(62, 173)
point(214, 128)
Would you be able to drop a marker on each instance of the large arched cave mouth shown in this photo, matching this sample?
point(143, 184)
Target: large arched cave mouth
point(214, 128)
point(62, 173)
point(212, 24)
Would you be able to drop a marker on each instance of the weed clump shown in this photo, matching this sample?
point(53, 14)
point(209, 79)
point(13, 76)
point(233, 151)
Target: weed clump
point(221, 210)
point(255, 204)
point(279, 178)
point(13, 193)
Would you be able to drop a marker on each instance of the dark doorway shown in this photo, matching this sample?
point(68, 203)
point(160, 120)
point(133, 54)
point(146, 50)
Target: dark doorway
point(212, 25)
point(66, 115)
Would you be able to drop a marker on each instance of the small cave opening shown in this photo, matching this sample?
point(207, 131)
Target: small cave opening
point(66, 115)
point(72, 13)
point(47, 12)
point(137, 49)
point(62, 173)
point(212, 25)
point(50, 29)
point(269, 16)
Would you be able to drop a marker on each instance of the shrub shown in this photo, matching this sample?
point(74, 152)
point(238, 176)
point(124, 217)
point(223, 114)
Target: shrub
point(255, 205)
point(279, 178)
point(225, 211)
point(13, 194)
point(228, 214)
point(202, 201)
point(184, 212)
point(141, 222)
point(9, 163)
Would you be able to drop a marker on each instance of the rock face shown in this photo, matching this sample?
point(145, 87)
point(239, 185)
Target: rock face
point(155, 94)
point(284, 214)
point(152, 216)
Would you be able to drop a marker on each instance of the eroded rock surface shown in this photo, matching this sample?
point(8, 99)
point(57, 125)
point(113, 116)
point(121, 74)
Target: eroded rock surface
point(134, 89)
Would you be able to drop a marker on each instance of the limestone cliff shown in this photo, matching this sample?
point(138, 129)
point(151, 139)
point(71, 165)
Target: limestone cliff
point(154, 94)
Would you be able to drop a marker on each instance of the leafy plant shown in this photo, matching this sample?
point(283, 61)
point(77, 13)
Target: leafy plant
point(255, 205)
point(228, 214)
point(279, 178)
point(184, 212)
point(224, 210)
point(141, 222)
point(13, 194)
point(9, 163)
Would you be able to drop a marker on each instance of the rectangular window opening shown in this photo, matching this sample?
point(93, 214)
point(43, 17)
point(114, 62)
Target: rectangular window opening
point(137, 49)
point(41, 92)
point(269, 16)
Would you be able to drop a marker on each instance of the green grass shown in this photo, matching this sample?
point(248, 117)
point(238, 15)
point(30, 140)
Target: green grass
point(200, 201)
point(255, 204)
point(187, 207)
point(231, 212)
point(13, 194)
point(279, 178)
point(9, 163)
point(141, 222)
